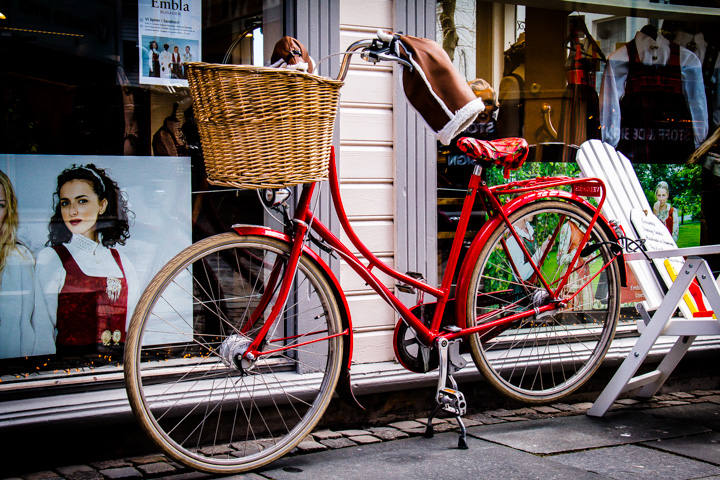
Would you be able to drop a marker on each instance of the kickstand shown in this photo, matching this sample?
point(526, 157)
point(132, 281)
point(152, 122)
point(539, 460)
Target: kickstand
point(449, 399)
point(429, 432)
point(462, 441)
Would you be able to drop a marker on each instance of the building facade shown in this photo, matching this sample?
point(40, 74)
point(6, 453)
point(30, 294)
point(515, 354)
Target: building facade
point(102, 83)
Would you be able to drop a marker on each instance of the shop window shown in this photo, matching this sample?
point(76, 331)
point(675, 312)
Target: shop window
point(563, 77)
point(98, 90)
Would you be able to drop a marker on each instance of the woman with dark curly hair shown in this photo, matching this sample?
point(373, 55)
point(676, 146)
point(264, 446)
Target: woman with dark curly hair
point(82, 282)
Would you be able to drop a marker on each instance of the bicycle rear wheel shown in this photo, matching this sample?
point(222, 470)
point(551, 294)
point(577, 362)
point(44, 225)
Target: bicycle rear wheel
point(542, 358)
point(191, 396)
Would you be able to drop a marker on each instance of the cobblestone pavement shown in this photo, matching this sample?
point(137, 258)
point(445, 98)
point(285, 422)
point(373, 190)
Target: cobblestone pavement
point(160, 467)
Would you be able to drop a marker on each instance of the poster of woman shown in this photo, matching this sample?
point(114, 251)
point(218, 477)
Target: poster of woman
point(83, 283)
point(665, 211)
point(16, 279)
point(674, 194)
point(99, 231)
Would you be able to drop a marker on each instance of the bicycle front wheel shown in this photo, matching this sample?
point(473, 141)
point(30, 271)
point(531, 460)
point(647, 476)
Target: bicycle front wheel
point(193, 397)
point(543, 357)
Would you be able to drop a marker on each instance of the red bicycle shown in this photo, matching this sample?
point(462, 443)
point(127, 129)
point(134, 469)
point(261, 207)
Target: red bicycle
point(238, 344)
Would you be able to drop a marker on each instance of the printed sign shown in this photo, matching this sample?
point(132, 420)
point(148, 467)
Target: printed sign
point(169, 37)
point(587, 190)
point(649, 227)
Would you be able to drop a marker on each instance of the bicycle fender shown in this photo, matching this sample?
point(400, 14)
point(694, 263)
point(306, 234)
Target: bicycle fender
point(509, 208)
point(344, 387)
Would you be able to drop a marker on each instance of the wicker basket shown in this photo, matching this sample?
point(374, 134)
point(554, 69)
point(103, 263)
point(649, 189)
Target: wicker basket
point(263, 127)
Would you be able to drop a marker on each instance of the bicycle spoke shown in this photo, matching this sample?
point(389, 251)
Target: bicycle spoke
point(218, 410)
point(544, 356)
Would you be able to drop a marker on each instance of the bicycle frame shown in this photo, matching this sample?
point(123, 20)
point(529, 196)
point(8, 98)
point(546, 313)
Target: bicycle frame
point(257, 304)
point(528, 191)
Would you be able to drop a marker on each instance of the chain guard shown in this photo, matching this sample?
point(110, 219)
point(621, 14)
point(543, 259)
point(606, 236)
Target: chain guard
point(409, 350)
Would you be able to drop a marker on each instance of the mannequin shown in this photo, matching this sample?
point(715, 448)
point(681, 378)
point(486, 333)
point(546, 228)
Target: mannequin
point(691, 36)
point(484, 127)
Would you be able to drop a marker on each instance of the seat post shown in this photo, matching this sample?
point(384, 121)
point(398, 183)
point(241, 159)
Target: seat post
point(478, 170)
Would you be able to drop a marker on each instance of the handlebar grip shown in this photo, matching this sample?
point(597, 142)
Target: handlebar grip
point(384, 36)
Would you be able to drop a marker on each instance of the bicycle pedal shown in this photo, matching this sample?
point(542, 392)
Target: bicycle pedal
point(452, 401)
point(407, 288)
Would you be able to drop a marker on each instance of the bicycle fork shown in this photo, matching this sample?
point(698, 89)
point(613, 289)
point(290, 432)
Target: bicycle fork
point(449, 398)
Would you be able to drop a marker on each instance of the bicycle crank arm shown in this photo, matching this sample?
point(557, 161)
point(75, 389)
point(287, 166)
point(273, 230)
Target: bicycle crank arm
point(449, 399)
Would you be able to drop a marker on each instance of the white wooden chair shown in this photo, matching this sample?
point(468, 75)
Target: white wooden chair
point(665, 280)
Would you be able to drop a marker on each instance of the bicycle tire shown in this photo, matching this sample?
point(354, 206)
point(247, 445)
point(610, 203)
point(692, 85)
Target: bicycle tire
point(540, 360)
point(210, 414)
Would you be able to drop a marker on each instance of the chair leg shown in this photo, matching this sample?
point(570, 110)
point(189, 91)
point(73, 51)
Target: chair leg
point(668, 364)
point(623, 379)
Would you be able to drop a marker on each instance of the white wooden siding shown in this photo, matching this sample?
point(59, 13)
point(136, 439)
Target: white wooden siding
point(366, 168)
point(377, 13)
point(354, 285)
point(373, 345)
point(363, 162)
point(376, 235)
point(368, 86)
point(367, 201)
point(366, 124)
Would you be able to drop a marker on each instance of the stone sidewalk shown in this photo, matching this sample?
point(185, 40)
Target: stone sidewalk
point(673, 436)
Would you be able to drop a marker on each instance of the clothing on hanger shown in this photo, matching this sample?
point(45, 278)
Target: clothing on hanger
point(652, 56)
point(580, 110)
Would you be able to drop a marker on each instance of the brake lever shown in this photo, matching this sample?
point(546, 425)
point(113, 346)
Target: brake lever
point(393, 58)
point(375, 56)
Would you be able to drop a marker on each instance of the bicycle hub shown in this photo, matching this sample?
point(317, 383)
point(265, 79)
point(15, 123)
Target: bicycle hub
point(232, 352)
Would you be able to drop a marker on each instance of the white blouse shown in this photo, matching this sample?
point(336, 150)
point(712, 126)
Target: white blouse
point(94, 260)
point(16, 304)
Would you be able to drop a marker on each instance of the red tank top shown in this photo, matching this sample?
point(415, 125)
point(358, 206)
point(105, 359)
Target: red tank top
point(91, 310)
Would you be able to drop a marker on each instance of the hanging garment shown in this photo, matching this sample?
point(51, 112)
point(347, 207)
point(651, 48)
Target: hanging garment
point(656, 126)
point(655, 54)
point(580, 111)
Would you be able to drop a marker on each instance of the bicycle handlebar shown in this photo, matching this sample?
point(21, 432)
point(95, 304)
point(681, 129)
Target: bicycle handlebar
point(379, 49)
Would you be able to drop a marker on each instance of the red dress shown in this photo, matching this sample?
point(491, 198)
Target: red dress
point(91, 310)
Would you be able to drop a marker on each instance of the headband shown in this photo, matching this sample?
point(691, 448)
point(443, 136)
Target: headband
point(102, 184)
